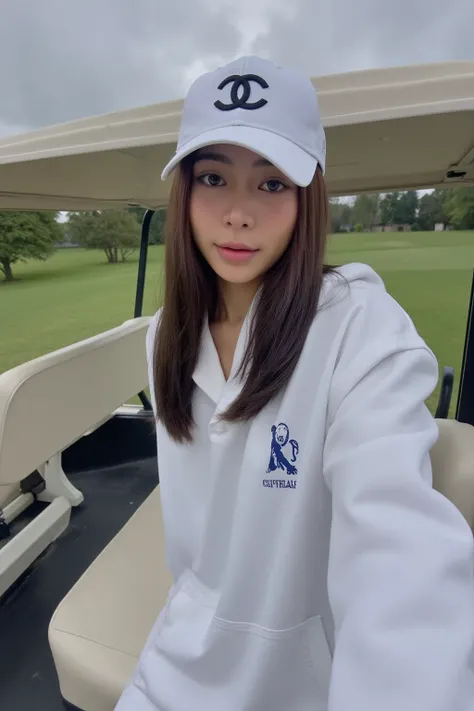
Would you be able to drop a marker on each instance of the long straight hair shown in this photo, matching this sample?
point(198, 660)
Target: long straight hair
point(286, 307)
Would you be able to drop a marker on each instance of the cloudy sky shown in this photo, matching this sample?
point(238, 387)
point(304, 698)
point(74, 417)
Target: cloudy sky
point(64, 59)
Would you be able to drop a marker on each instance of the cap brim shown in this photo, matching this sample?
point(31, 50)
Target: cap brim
point(292, 160)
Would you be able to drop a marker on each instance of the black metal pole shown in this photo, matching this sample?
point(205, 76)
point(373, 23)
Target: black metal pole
point(141, 284)
point(142, 262)
point(465, 404)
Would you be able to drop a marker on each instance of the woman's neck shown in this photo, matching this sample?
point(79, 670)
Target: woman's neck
point(235, 300)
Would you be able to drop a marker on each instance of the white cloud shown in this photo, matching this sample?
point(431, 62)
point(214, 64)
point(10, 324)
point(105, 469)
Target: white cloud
point(63, 60)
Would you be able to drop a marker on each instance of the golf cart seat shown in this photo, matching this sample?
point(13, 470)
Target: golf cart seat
point(452, 459)
point(45, 406)
point(100, 628)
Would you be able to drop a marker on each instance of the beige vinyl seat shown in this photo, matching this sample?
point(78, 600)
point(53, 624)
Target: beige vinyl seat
point(452, 459)
point(45, 406)
point(8, 492)
point(100, 628)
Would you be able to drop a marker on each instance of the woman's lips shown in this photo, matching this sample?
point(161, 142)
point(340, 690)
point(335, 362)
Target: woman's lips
point(237, 254)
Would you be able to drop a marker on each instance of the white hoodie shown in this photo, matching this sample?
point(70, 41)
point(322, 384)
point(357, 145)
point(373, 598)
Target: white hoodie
point(315, 567)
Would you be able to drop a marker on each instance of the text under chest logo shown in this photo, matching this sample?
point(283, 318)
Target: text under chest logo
point(241, 91)
point(283, 454)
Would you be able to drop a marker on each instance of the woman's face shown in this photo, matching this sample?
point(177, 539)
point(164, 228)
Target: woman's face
point(243, 212)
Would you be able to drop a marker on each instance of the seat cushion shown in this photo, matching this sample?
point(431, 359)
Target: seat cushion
point(8, 492)
point(100, 628)
point(452, 459)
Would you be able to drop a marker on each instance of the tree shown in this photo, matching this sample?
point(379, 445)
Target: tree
point(365, 210)
point(116, 232)
point(406, 208)
point(346, 214)
point(388, 208)
point(431, 209)
point(341, 215)
point(459, 206)
point(26, 235)
point(335, 213)
point(399, 208)
point(157, 226)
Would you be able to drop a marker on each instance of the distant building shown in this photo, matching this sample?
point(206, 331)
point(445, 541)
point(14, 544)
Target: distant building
point(67, 241)
point(65, 244)
point(392, 228)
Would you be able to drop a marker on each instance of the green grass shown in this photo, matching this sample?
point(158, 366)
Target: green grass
point(76, 294)
point(73, 295)
point(429, 274)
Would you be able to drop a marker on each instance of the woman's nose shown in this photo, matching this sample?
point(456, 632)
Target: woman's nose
point(238, 218)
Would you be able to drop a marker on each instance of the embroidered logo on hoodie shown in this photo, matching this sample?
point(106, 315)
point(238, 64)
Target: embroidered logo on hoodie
point(283, 454)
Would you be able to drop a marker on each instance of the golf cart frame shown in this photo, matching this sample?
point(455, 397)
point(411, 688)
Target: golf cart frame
point(382, 127)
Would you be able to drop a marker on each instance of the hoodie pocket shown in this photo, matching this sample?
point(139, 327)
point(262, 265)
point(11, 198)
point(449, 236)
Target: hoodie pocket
point(287, 668)
point(201, 661)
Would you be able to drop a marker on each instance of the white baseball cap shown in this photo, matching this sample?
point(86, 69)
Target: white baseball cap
point(253, 103)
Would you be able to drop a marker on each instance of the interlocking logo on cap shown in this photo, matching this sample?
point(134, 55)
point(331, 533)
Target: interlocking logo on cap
point(286, 128)
point(241, 83)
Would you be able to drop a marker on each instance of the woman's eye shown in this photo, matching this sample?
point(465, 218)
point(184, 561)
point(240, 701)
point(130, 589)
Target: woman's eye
point(273, 186)
point(211, 179)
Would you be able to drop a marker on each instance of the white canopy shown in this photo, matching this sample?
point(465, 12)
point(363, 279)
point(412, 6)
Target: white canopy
point(409, 127)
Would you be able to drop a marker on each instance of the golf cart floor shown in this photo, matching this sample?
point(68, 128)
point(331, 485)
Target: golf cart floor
point(28, 680)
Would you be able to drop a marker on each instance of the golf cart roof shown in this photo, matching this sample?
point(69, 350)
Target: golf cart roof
point(387, 129)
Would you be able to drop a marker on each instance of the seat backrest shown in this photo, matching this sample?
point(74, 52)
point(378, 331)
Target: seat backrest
point(452, 459)
point(48, 403)
point(8, 493)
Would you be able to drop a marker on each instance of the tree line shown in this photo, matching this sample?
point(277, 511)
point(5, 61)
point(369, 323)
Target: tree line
point(452, 207)
point(115, 232)
point(35, 235)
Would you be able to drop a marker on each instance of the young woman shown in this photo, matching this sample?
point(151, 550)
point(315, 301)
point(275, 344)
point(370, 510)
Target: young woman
point(314, 566)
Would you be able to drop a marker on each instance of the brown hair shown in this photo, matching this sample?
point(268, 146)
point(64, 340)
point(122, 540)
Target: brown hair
point(286, 308)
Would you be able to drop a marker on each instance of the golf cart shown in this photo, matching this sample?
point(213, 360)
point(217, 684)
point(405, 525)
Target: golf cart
point(82, 562)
